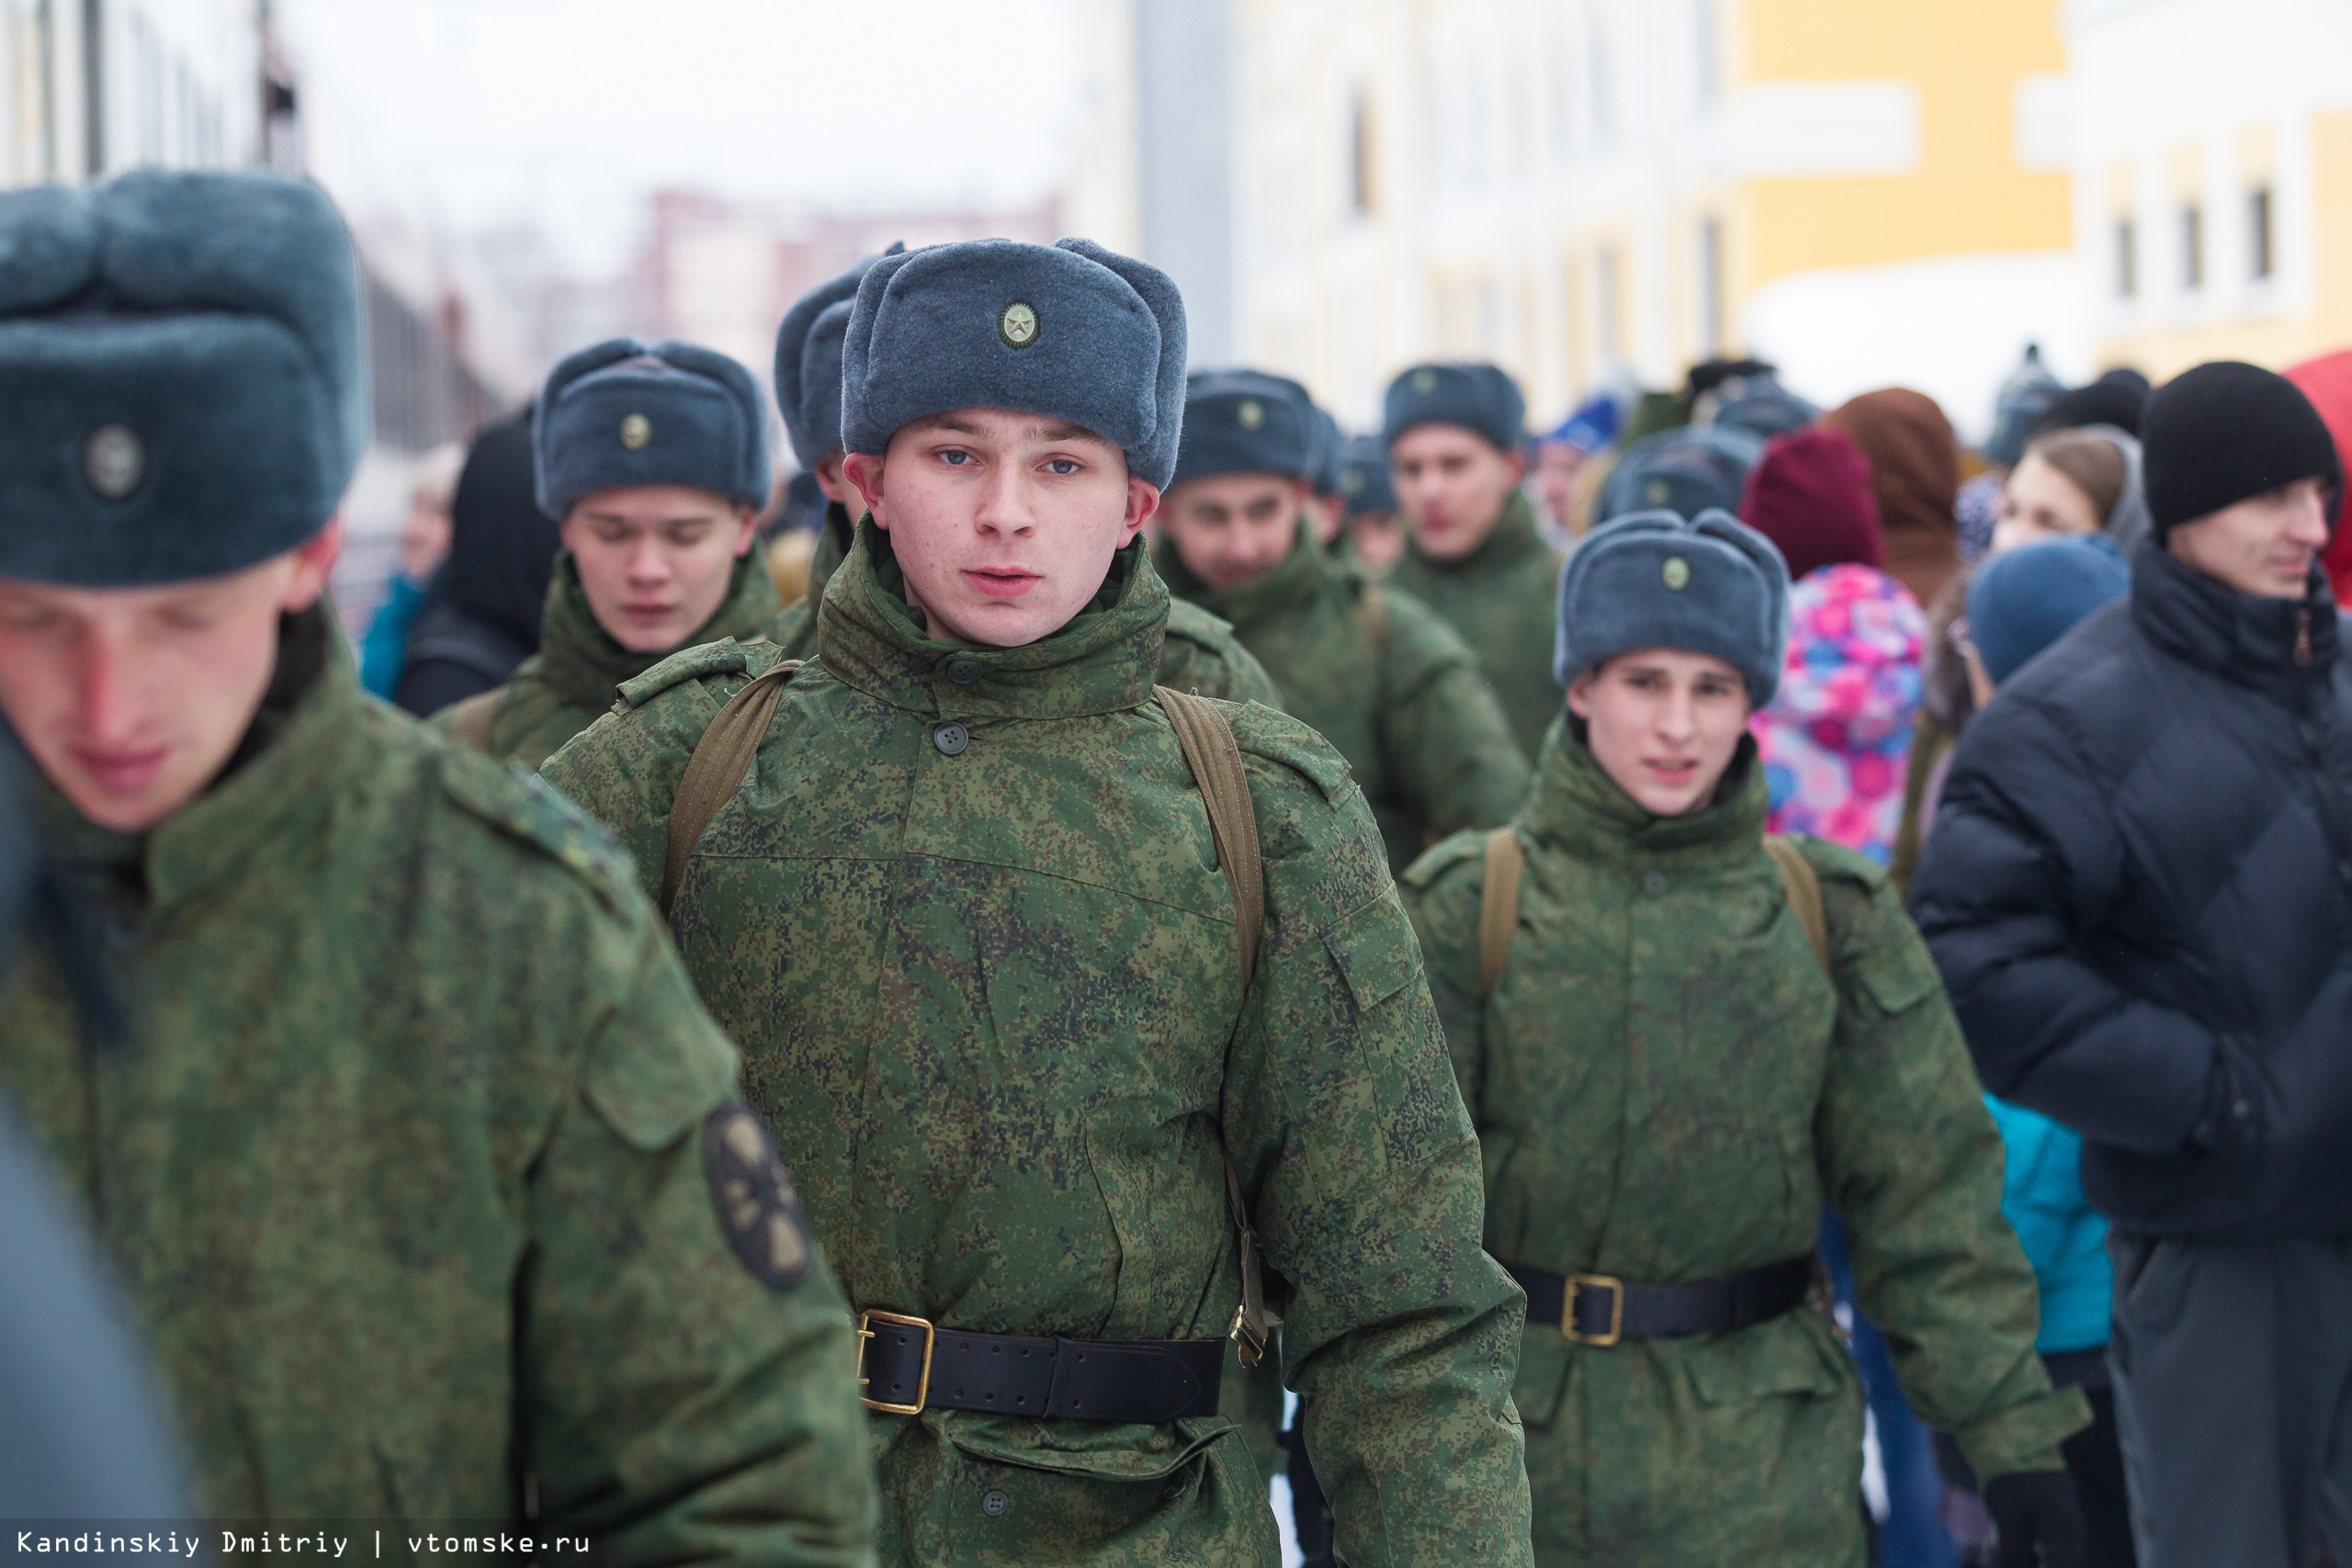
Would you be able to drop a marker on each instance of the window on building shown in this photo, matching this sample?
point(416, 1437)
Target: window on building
point(1706, 23)
point(2193, 247)
point(1711, 287)
point(1608, 308)
point(2127, 258)
point(2261, 246)
point(1360, 155)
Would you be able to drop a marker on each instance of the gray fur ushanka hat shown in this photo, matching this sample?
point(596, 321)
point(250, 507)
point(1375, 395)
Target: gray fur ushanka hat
point(1482, 398)
point(808, 362)
point(1244, 421)
point(1709, 584)
point(1069, 330)
point(180, 359)
point(626, 414)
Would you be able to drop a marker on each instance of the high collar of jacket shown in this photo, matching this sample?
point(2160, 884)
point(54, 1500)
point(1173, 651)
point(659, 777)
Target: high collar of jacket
point(1576, 807)
point(580, 660)
point(277, 782)
point(1103, 661)
point(1512, 539)
point(2249, 640)
point(1295, 580)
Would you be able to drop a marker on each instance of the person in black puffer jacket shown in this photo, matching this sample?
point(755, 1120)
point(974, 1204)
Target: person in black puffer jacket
point(2140, 895)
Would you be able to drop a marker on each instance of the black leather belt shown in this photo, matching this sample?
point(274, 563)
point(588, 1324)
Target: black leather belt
point(906, 1365)
point(1596, 1309)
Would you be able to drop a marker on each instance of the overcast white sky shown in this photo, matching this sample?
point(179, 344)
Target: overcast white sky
point(568, 111)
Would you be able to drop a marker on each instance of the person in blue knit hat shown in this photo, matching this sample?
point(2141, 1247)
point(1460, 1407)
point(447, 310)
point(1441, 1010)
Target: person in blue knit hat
point(1678, 1040)
point(421, 1168)
point(654, 459)
point(1066, 1016)
point(1473, 551)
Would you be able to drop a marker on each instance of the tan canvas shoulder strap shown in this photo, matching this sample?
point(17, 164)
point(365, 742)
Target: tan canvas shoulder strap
point(469, 720)
point(1498, 905)
point(1205, 736)
point(722, 757)
point(1804, 896)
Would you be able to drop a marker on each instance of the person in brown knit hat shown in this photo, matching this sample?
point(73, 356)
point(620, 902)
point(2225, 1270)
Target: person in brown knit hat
point(1915, 467)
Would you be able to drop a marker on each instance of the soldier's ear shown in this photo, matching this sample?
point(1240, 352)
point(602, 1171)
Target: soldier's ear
point(313, 560)
point(864, 472)
point(1143, 501)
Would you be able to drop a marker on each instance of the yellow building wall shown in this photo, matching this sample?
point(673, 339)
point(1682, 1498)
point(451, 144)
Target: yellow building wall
point(2279, 340)
point(1967, 195)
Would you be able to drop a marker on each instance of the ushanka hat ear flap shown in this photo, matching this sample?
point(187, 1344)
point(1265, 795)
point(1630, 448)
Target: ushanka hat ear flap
point(1155, 463)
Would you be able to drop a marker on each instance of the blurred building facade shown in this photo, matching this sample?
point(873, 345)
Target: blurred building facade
point(1588, 191)
point(2213, 177)
point(723, 273)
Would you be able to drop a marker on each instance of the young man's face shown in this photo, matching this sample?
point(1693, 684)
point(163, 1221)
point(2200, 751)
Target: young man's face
point(1378, 538)
point(1664, 723)
point(131, 700)
point(1004, 523)
point(2264, 546)
point(1452, 484)
point(654, 559)
point(1233, 528)
point(1555, 479)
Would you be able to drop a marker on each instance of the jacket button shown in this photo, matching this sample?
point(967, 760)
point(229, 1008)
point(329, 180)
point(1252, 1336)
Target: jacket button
point(963, 672)
point(950, 739)
point(994, 1504)
point(1654, 884)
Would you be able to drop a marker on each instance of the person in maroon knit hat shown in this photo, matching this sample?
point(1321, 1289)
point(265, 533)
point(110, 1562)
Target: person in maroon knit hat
point(1810, 493)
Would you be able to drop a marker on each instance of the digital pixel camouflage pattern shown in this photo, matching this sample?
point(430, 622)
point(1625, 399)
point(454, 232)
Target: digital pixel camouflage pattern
point(1668, 1088)
point(965, 921)
point(1200, 653)
point(558, 691)
point(1503, 597)
point(403, 1164)
point(1382, 679)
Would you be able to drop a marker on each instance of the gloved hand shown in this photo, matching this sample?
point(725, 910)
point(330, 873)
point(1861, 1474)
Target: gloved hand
point(2038, 1517)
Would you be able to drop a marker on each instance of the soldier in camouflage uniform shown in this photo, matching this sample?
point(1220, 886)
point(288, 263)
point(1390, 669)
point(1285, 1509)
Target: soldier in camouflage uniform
point(1199, 652)
point(1367, 668)
point(421, 1162)
point(1472, 552)
point(656, 459)
point(1669, 1080)
point(967, 916)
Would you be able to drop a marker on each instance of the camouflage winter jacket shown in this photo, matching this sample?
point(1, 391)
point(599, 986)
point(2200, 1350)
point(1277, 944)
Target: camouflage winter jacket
point(965, 921)
point(558, 691)
point(415, 1157)
point(1503, 597)
point(1668, 1088)
point(1383, 679)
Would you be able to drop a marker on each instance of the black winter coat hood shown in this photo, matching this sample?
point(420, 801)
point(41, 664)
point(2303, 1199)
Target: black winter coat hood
point(2138, 891)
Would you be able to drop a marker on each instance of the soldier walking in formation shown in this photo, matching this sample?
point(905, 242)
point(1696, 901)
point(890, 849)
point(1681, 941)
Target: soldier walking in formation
point(1678, 1040)
point(1366, 667)
point(1473, 553)
point(1199, 653)
point(420, 1161)
point(655, 458)
point(1065, 998)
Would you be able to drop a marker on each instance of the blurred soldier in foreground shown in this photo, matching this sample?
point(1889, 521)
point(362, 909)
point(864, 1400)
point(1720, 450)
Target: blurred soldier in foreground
point(656, 458)
point(1680, 1039)
point(1367, 668)
point(422, 1163)
point(1061, 994)
point(1475, 556)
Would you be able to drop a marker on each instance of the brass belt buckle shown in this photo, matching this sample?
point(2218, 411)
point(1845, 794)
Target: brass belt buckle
point(1579, 1283)
point(922, 1387)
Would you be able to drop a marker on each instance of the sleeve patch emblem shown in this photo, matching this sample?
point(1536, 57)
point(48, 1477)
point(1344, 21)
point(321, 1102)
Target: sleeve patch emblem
point(752, 1192)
